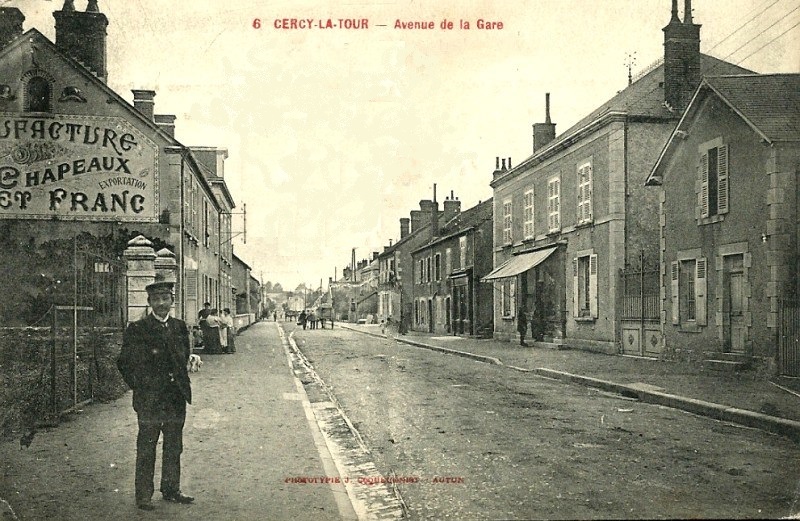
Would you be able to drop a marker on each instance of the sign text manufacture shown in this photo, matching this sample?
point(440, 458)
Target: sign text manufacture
point(87, 168)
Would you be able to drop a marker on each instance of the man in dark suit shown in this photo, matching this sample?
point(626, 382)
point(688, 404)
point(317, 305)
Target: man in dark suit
point(155, 351)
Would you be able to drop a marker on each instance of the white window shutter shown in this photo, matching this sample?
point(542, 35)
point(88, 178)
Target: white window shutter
point(675, 279)
point(575, 303)
point(722, 179)
point(593, 285)
point(502, 299)
point(557, 189)
point(580, 196)
point(512, 290)
point(704, 185)
point(588, 193)
point(700, 290)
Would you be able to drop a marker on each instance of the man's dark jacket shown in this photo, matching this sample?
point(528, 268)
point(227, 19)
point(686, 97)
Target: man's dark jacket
point(153, 362)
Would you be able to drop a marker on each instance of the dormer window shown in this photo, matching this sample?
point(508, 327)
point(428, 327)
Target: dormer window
point(39, 95)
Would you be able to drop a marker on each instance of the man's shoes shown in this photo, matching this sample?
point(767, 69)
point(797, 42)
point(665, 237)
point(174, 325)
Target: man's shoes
point(178, 497)
point(145, 504)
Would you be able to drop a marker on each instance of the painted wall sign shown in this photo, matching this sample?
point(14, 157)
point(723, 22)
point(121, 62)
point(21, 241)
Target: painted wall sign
point(90, 168)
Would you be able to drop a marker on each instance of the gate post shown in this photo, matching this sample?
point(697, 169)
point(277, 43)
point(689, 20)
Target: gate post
point(166, 266)
point(141, 271)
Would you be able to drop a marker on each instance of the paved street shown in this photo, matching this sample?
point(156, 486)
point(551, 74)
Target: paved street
point(487, 442)
point(350, 426)
point(247, 436)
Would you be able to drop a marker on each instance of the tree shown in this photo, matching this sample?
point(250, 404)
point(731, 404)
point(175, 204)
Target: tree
point(277, 288)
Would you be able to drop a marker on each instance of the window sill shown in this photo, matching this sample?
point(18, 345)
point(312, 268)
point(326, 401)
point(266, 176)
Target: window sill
point(586, 320)
point(690, 327)
point(711, 220)
point(584, 224)
point(508, 318)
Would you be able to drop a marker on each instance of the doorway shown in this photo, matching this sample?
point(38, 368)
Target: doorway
point(734, 329)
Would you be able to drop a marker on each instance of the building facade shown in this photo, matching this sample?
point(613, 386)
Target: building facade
point(396, 266)
point(572, 218)
point(728, 180)
point(448, 297)
point(84, 171)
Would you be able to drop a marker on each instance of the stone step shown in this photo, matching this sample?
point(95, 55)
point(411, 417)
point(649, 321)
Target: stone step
point(725, 365)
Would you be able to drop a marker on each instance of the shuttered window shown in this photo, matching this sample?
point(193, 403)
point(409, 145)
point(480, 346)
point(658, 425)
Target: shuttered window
point(714, 186)
point(528, 215)
point(689, 290)
point(554, 205)
point(508, 297)
point(584, 193)
point(584, 286)
point(507, 222)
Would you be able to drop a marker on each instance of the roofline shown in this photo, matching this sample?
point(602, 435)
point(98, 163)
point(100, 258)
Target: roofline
point(405, 239)
point(221, 181)
point(738, 112)
point(563, 143)
point(82, 70)
point(85, 72)
point(236, 257)
point(655, 177)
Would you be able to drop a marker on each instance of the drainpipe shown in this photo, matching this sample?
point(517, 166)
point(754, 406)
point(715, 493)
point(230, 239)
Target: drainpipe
point(182, 151)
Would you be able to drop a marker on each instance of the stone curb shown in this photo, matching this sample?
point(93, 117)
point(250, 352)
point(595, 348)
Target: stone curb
point(773, 424)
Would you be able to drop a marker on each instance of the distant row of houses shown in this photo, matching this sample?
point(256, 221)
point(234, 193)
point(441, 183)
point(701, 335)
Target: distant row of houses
point(666, 220)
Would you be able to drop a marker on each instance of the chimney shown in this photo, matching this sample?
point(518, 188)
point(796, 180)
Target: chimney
point(498, 171)
point(375, 255)
point(429, 211)
point(416, 221)
point(11, 20)
point(166, 122)
point(404, 224)
point(681, 58)
point(543, 133)
point(452, 207)
point(82, 36)
point(144, 102)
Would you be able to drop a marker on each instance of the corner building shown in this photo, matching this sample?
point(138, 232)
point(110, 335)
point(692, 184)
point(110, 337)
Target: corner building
point(574, 221)
point(83, 171)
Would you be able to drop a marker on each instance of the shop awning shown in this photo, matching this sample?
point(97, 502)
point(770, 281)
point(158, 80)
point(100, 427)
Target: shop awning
point(518, 264)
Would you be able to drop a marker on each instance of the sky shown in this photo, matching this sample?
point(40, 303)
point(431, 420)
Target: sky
point(334, 134)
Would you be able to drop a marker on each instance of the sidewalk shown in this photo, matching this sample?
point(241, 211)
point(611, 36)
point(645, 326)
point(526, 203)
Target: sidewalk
point(749, 398)
point(250, 451)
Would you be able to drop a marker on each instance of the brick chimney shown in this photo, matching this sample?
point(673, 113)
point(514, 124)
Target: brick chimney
point(144, 102)
point(452, 207)
point(11, 20)
point(416, 221)
point(82, 36)
point(429, 211)
point(498, 169)
point(166, 122)
point(404, 227)
point(682, 72)
point(543, 133)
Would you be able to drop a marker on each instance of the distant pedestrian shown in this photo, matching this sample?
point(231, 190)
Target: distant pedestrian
point(230, 331)
point(155, 352)
point(197, 337)
point(211, 334)
point(274, 316)
point(301, 319)
point(522, 326)
point(312, 319)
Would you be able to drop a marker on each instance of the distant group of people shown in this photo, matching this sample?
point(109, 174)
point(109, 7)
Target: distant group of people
point(215, 332)
point(308, 318)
